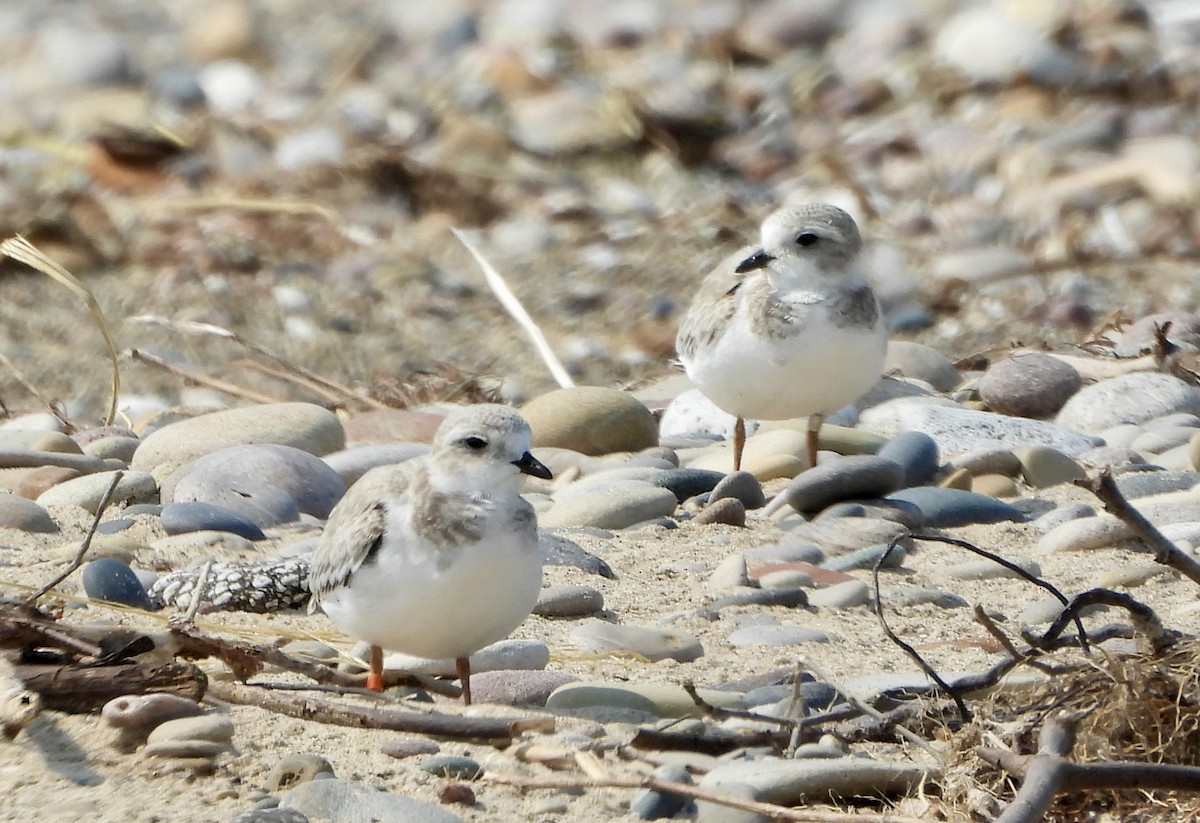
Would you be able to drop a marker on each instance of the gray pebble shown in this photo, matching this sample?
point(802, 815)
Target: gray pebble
point(184, 749)
point(1131, 398)
point(344, 801)
point(788, 598)
point(841, 595)
point(788, 551)
point(111, 580)
point(866, 558)
point(25, 515)
point(452, 766)
point(788, 782)
point(984, 569)
point(1029, 384)
point(848, 477)
point(1061, 514)
point(404, 747)
point(568, 601)
point(1048, 609)
point(87, 491)
point(742, 486)
point(1145, 484)
point(727, 511)
point(686, 483)
point(514, 687)
point(648, 804)
point(916, 453)
point(559, 551)
point(652, 643)
point(775, 634)
point(179, 518)
point(916, 360)
point(902, 596)
point(944, 508)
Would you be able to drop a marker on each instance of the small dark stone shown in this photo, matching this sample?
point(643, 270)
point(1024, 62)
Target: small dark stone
point(453, 766)
point(456, 794)
point(194, 516)
point(112, 580)
point(917, 454)
point(861, 475)
point(686, 483)
point(728, 511)
point(954, 507)
point(791, 598)
point(742, 486)
point(649, 804)
point(1030, 384)
point(402, 747)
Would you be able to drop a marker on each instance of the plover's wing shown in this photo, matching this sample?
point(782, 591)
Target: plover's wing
point(355, 527)
point(713, 306)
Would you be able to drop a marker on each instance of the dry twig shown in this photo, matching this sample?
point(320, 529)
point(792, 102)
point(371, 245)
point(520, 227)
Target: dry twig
point(202, 379)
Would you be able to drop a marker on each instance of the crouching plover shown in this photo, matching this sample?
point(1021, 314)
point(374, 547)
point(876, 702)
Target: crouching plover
point(437, 556)
point(787, 329)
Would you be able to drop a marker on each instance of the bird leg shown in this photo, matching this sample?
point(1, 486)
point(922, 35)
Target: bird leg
point(814, 431)
point(375, 675)
point(463, 666)
point(739, 443)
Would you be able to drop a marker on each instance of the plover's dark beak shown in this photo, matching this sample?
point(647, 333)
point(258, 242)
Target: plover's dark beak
point(755, 261)
point(528, 464)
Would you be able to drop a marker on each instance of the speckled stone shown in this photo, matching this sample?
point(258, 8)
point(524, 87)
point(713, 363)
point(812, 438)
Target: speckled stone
point(515, 687)
point(1029, 384)
point(728, 511)
point(110, 579)
point(180, 518)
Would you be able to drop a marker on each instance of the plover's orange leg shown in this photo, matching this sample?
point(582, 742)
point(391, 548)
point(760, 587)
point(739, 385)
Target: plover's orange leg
point(814, 432)
point(739, 443)
point(375, 675)
point(463, 667)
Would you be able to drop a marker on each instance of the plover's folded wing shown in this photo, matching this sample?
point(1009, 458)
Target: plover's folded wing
point(355, 527)
point(712, 307)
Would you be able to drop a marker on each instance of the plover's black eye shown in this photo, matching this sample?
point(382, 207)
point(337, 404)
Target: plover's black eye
point(476, 443)
point(806, 238)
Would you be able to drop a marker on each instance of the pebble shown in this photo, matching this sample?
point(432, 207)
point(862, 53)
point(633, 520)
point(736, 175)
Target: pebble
point(785, 579)
point(113, 448)
point(180, 518)
point(617, 509)
point(957, 429)
point(221, 475)
point(786, 552)
point(1029, 384)
point(866, 558)
point(214, 728)
point(659, 699)
point(25, 515)
point(768, 455)
point(651, 643)
point(987, 460)
point(841, 595)
point(776, 634)
point(946, 508)
point(293, 769)
point(1083, 533)
point(455, 767)
point(845, 478)
point(1043, 467)
point(916, 453)
point(849, 534)
point(1161, 439)
point(353, 463)
point(514, 687)
point(568, 601)
point(985, 569)
point(795, 598)
point(728, 511)
point(1048, 609)
point(316, 146)
point(513, 653)
point(687, 483)
point(1057, 516)
point(272, 815)
point(304, 426)
point(789, 782)
point(592, 420)
point(648, 804)
point(1131, 576)
point(916, 360)
point(742, 486)
point(345, 801)
point(229, 86)
point(185, 749)
point(405, 747)
point(707, 812)
point(729, 573)
point(135, 716)
point(898, 597)
point(1145, 484)
point(87, 491)
point(111, 580)
point(33, 482)
point(1132, 398)
point(559, 551)
point(993, 485)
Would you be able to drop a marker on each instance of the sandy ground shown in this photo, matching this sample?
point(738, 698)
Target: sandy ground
point(63, 767)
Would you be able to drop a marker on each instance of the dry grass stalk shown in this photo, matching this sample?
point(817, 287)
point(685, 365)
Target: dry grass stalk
point(49, 403)
point(513, 306)
point(202, 379)
point(20, 249)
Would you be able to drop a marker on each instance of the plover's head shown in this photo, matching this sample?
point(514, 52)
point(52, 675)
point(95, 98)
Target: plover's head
point(820, 234)
point(478, 448)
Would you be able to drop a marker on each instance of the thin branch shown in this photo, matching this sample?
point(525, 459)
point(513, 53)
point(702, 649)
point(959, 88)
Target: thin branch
point(964, 712)
point(46, 401)
point(199, 593)
point(719, 713)
point(202, 379)
point(77, 561)
point(513, 306)
point(1145, 622)
point(1165, 552)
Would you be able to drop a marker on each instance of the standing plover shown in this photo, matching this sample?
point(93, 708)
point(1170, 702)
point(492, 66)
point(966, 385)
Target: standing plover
point(437, 556)
point(787, 329)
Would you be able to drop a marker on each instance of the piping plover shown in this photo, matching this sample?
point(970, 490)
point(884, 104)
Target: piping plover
point(789, 328)
point(437, 556)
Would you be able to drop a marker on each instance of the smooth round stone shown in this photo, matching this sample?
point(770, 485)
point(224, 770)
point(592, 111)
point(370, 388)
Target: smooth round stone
point(651, 643)
point(902, 513)
point(916, 360)
point(647, 804)
point(216, 728)
point(347, 801)
point(988, 460)
point(184, 749)
point(786, 579)
point(262, 504)
point(353, 463)
point(729, 573)
point(786, 552)
point(993, 485)
point(1043, 467)
point(512, 654)
point(199, 544)
point(55, 443)
point(742, 486)
point(1048, 609)
point(452, 766)
point(87, 491)
point(708, 812)
point(946, 508)
point(686, 483)
point(559, 551)
point(568, 601)
point(916, 453)
point(592, 420)
point(180, 518)
point(848, 477)
point(659, 699)
point(1161, 439)
point(135, 716)
point(899, 597)
point(516, 687)
point(841, 595)
point(25, 515)
point(794, 598)
point(1145, 484)
point(111, 580)
point(728, 511)
point(775, 634)
point(1029, 384)
point(305, 478)
point(115, 447)
point(304, 426)
point(849, 534)
point(1131, 398)
point(33, 482)
point(616, 510)
point(1111, 457)
point(405, 747)
point(293, 769)
point(788, 782)
point(961, 430)
point(1084, 533)
point(1130, 576)
point(771, 454)
point(984, 569)
point(1122, 436)
point(1057, 516)
point(867, 558)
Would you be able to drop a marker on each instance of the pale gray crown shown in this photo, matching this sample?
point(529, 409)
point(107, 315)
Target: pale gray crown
point(819, 232)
